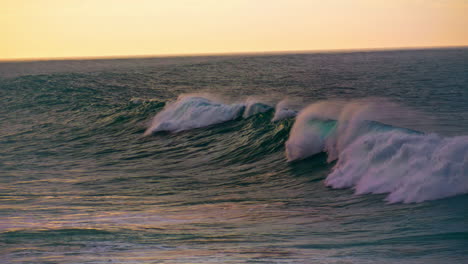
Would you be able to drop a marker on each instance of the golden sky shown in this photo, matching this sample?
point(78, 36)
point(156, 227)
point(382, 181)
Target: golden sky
point(76, 28)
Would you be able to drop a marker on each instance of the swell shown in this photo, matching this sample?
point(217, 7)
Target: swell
point(372, 155)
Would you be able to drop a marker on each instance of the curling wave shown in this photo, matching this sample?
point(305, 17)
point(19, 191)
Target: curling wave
point(190, 112)
point(374, 157)
point(197, 111)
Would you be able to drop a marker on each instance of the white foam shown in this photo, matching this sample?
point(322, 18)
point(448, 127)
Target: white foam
point(410, 167)
point(193, 111)
point(305, 140)
point(283, 111)
point(254, 106)
point(375, 158)
point(350, 117)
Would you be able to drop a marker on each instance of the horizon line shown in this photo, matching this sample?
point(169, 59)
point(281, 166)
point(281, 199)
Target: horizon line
point(227, 54)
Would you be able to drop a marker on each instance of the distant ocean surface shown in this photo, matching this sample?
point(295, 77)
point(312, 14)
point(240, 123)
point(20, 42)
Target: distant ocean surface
point(333, 157)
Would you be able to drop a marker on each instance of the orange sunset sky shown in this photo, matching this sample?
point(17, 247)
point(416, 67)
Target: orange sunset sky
point(76, 28)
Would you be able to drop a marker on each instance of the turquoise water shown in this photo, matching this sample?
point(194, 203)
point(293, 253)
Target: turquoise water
point(357, 157)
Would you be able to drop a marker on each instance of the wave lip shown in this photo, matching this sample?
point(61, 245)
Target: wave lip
point(191, 111)
point(282, 111)
point(308, 136)
point(200, 110)
point(253, 107)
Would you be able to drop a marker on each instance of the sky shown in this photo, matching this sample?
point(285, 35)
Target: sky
point(94, 28)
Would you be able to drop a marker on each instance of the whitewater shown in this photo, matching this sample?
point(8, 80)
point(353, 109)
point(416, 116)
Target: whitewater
point(373, 157)
point(349, 157)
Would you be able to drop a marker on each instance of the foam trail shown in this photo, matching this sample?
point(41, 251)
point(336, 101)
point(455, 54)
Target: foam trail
point(192, 111)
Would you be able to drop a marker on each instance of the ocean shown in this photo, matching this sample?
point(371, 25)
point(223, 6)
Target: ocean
point(326, 157)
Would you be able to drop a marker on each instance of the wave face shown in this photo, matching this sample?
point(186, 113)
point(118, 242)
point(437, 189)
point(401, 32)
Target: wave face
point(374, 157)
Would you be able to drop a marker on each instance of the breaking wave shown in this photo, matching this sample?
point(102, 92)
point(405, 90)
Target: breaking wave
point(409, 167)
point(197, 111)
point(190, 112)
point(372, 154)
point(374, 157)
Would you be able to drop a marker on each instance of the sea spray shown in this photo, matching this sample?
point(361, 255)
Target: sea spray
point(283, 110)
point(353, 119)
point(305, 139)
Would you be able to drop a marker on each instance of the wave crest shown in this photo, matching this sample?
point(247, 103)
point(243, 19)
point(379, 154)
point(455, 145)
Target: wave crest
point(283, 111)
point(191, 111)
point(200, 110)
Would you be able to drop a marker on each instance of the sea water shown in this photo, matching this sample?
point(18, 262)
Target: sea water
point(332, 157)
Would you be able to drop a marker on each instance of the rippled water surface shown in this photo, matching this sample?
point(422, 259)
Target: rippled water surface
point(357, 157)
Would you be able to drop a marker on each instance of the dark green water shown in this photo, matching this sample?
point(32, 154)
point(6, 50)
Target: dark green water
point(377, 170)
